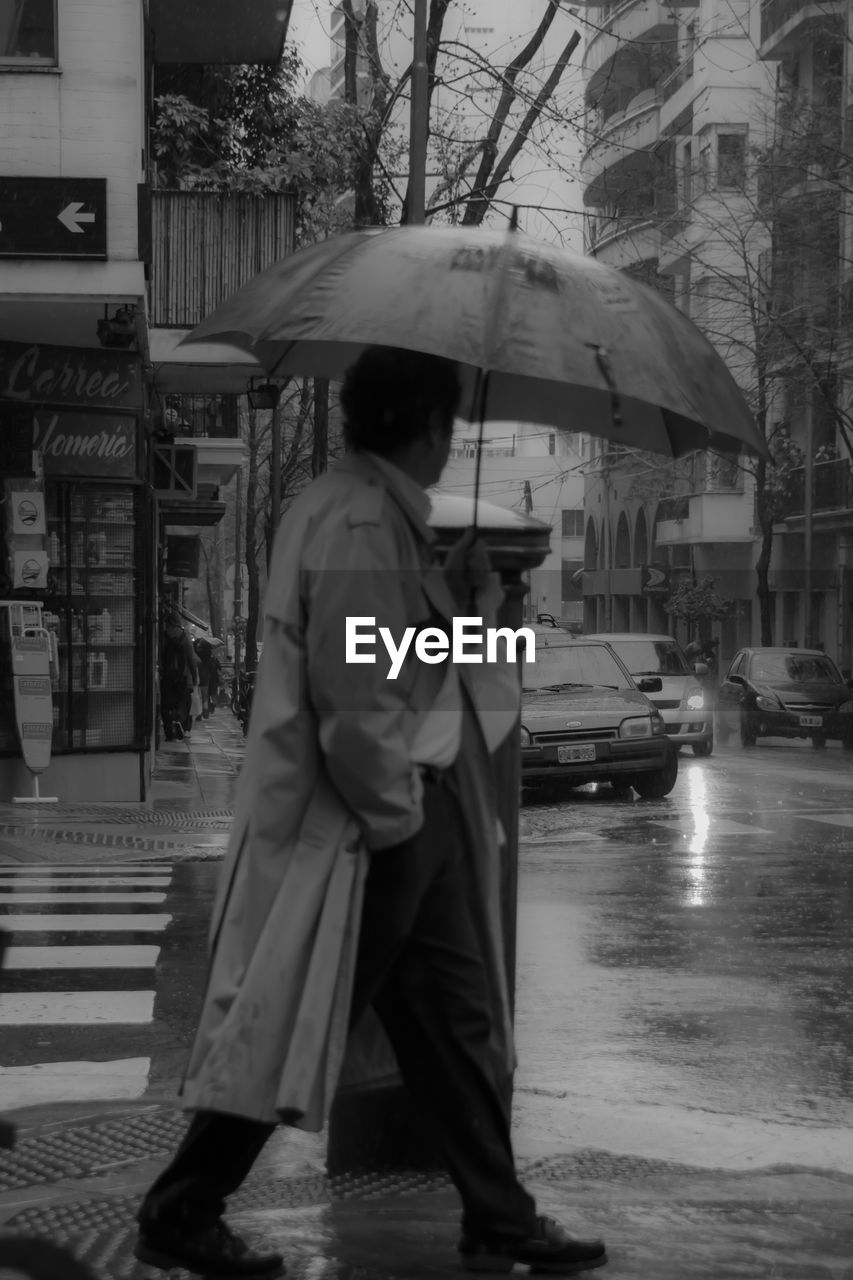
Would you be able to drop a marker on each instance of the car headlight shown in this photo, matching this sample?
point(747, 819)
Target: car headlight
point(767, 704)
point(526, 739)
point(636, 727)
point(695, 702)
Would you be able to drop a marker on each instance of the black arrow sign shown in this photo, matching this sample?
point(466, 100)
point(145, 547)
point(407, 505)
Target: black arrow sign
point(53, 217)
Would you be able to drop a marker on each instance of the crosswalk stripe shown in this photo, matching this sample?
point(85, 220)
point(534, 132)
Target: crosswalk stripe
point(82, 957)
point(28, 899)
point(74, 1081)
point(65, 868)
point(145, 922)
point(56, 1008)
point(104, 882)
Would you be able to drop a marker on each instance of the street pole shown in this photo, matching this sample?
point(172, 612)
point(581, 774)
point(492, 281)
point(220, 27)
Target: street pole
point(808, 526)
point(238, 569)
point(419, 121)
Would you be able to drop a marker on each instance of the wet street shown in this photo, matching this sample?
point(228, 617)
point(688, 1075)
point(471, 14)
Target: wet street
point(684, 968)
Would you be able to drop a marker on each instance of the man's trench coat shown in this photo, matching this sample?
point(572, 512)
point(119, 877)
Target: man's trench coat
point(327, 778)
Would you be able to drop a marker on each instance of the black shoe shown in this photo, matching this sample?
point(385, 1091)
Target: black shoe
point(207, 1249)
point(549, 1247)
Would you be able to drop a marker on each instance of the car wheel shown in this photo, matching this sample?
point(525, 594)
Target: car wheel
point(747, 730)
point(703, 748)
point(847, 741)
point(654, 786)
point(818, 740)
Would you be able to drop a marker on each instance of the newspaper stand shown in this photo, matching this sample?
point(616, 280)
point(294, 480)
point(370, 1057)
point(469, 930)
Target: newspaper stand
point(34, 665)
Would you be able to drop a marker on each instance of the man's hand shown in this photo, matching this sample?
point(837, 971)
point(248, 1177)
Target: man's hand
point(467, 567)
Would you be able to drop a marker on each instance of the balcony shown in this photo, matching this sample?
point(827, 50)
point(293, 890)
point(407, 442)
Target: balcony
point(218, 31)
point(624, 242)
point(620, 158)
point(638, 20)
point(785, 23)
point(710, 517)
point(205, 244)
point(832, 491)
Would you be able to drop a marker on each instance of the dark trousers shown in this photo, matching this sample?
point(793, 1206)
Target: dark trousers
point(419, 966)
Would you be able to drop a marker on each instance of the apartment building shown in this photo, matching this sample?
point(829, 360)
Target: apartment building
point(93, 264)
point(700, 178)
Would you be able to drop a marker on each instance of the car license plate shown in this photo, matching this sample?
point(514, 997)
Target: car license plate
point(568, 755)
point(811, 722)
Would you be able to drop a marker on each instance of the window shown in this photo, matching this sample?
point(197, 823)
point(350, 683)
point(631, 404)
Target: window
point(573, 524)
point(27, 31)
point(731, 160)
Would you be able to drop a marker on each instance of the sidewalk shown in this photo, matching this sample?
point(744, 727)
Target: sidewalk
point(78, 1180)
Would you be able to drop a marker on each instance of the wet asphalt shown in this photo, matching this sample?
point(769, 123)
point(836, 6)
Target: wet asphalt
point(683, 1017)
point(685, 966)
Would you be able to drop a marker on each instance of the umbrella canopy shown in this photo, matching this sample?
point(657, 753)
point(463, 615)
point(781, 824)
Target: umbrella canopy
point(564, 340)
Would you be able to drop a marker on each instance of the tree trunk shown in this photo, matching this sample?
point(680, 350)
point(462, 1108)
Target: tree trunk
point(253, 609)
point(762, 564)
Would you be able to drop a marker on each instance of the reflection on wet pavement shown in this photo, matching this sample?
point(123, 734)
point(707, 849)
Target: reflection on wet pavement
point(698, 950)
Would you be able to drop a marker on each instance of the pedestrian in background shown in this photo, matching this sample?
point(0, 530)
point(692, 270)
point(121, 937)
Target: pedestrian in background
point(204, 654)
point(178, 678)
point(363, 866)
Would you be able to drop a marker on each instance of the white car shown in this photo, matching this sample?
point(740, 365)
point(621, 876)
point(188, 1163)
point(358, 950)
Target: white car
point(685, 706)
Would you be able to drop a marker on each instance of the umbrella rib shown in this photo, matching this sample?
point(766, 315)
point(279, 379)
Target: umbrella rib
point(493, 316)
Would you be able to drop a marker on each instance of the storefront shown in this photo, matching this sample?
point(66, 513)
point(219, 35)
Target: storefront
point(83, 408)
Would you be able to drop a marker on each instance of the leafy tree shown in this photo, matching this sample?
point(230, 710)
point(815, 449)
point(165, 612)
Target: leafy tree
point(698, 604)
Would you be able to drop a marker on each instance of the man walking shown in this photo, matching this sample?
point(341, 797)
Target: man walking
point(354, 876)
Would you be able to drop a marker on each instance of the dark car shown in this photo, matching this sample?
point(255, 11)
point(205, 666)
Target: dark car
point(787, 693)
point(584, 719)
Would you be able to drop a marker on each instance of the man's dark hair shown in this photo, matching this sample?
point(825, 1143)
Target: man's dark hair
point(389, 393)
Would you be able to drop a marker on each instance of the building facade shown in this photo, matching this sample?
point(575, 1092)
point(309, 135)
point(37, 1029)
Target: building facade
point(94, 266)
point(700, 179)
point(539, 472)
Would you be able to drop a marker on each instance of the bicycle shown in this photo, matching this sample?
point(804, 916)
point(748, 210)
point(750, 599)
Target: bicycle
point(30, 1257)
point(242, 689)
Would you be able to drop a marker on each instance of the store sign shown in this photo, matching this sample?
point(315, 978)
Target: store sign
point(33, 698)
point(655, 580)
point(80, 444)
point(80, 377)
point(53, 217)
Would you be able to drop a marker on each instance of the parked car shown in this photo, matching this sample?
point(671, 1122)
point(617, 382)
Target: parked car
point(788, 693)
point(584, 719)
point(682, 701)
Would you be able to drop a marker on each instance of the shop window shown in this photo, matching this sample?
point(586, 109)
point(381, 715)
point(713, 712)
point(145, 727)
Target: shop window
point(731, 161)
point(27, 31)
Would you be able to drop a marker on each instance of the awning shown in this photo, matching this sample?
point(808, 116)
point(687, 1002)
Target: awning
point(208, 31)
point(202, 368)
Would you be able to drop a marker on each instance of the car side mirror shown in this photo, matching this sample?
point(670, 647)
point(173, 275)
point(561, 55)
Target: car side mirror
point(650, 684)
point(700, 668)
point(735, 679)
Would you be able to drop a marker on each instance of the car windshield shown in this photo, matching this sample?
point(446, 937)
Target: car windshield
point(652, 657)
point(794, 668)
point(578, 665)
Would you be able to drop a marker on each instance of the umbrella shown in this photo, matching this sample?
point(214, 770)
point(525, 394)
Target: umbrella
point(540, 334)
